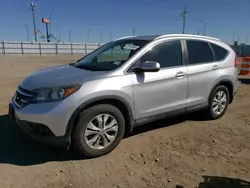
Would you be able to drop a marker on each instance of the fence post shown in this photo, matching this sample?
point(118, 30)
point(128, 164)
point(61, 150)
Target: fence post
point(3, 48)
point(71, 46)
point(22, 48)
point(56, 48)
point(40, 48)
point(85, 49)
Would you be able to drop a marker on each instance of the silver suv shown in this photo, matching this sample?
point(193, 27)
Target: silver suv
point(125, 83)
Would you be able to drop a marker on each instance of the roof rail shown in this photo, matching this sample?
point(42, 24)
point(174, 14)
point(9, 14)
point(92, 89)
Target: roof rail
point(124, 37)
point(187, 35)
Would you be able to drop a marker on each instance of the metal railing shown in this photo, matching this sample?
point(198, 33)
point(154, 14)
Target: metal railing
point(44, 48)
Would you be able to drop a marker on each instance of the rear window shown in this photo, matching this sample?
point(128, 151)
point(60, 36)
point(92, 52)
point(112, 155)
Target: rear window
point(199, 52)
point(220, 53)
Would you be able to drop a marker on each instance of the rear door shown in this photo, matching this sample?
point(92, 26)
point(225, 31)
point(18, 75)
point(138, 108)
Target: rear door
point(203, 71)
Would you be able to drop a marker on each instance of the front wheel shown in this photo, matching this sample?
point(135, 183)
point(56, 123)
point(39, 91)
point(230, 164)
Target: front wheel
point(218, 102)
point(99, 130)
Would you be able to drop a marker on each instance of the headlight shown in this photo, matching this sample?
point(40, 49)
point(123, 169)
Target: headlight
point(53, 94)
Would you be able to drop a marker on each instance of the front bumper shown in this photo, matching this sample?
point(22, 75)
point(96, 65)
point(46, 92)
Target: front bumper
point(40, 132)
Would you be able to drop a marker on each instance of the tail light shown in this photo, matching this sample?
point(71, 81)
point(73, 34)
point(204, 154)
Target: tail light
point(236, 61)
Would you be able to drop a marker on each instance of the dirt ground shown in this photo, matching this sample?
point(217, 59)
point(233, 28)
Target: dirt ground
point(187, 151)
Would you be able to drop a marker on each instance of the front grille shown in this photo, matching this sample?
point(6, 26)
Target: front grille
point(22, 97)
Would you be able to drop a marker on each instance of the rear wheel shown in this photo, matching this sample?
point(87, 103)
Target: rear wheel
point(99, 130)
point(218, 102)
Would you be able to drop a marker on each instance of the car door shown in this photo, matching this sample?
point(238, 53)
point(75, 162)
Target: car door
point(165, 91)
point(203, 72)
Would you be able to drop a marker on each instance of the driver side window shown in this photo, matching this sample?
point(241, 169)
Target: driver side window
point(167, 54)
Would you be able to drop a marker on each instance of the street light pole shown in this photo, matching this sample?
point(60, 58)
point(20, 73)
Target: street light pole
point(133, 31)
point(88, 35)
point(32, 6)
point(27, 33)
point(205, 26)
point(70, 39)
point(110, 34)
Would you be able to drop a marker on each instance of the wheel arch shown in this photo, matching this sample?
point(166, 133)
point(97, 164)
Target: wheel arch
point(228, 84)
point(116, 101)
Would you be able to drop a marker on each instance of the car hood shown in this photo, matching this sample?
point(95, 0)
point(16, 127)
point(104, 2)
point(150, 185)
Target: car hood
point(59, 76)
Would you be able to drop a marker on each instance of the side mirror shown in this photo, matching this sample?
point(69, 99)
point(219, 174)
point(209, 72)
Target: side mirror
point(148, 66)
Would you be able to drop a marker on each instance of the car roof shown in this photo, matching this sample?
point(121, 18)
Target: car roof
point(154, 37)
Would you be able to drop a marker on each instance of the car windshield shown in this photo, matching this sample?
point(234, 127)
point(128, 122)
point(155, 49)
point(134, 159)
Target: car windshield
point(110, 56)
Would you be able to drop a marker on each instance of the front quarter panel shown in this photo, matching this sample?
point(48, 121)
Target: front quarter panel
point(117, 86)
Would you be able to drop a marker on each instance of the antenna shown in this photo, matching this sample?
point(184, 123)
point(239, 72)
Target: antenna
point(33, 6)
point(184, 15)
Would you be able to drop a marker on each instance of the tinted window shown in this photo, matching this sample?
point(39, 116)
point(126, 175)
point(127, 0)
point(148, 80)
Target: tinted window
point(168, 54)
point(220, 53)
point(199, 52)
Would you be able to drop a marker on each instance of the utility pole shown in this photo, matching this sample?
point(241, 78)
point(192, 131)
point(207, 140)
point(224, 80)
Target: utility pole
point(32, 6)
point(27, 33)
point(184, 15)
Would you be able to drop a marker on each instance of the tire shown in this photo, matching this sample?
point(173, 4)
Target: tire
point(84, 144)
point(210, 112)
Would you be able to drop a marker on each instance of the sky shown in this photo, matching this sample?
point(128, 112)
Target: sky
point(98, 20)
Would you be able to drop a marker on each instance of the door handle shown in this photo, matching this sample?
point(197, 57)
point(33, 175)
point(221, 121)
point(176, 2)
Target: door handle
point(216, 67)
point(180, 74)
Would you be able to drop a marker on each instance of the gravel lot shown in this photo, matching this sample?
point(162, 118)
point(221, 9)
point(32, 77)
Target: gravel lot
point(187, 151)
